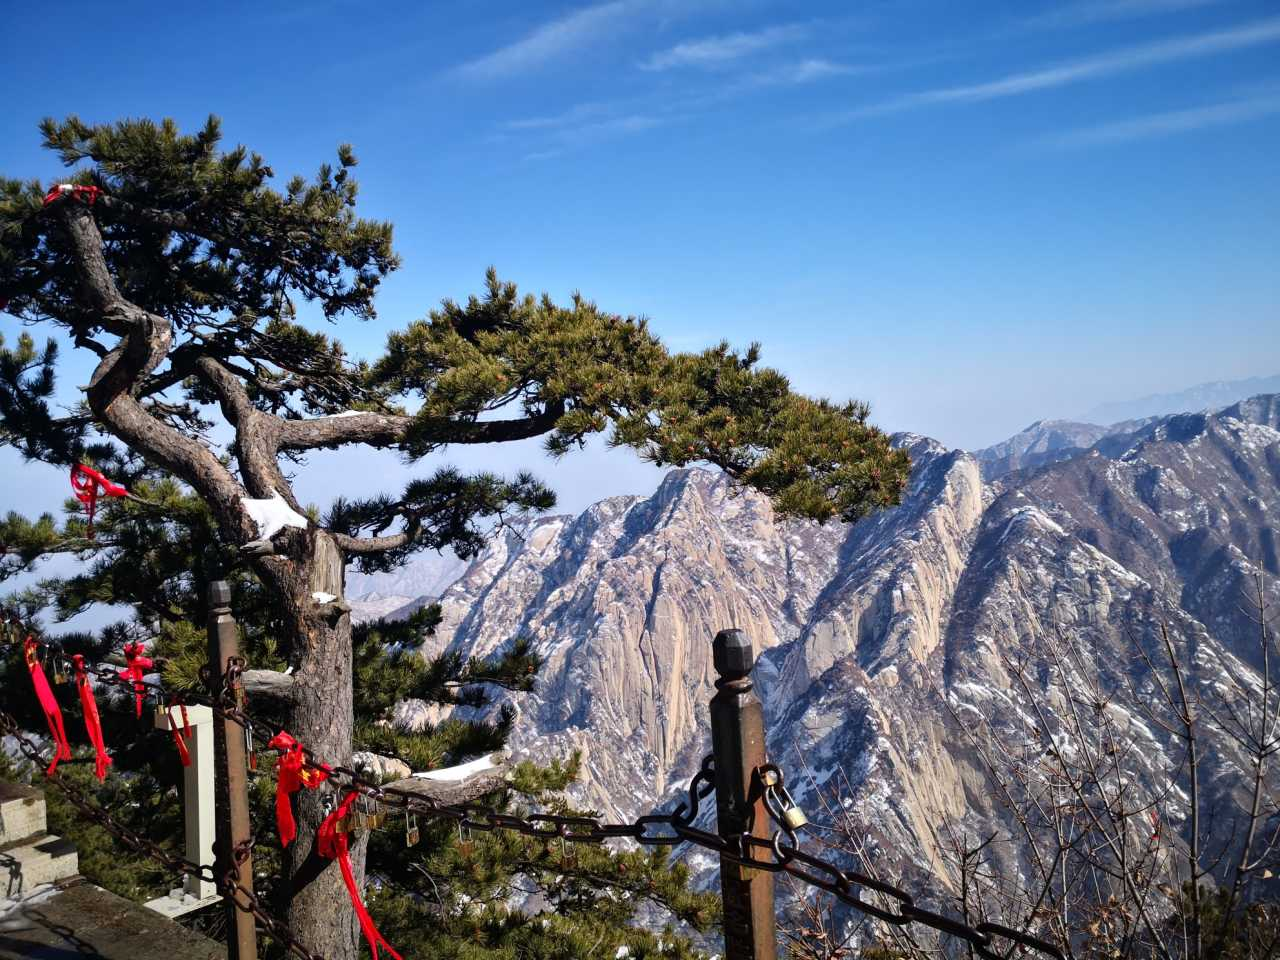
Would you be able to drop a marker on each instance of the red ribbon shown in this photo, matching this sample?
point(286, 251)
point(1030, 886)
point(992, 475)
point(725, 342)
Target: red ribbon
point(137, 668)
point(52, 713)
point(180, 738)
point(88, 485)
point(92, 723)
point(87, 194)
point(292, 774)
point(333, 845)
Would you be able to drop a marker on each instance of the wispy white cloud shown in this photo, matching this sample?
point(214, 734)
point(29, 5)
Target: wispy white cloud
point(1169, 123)
point(716, 51)
point(1107, 64)
point(551, 40)
point(561, 134)
point(575, 115)
point(1106, 11)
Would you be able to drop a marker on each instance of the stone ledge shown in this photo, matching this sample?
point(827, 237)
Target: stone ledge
point(84, 920)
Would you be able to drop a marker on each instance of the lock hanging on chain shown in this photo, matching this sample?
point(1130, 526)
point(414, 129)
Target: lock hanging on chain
point(781, 805)
point(411, 834)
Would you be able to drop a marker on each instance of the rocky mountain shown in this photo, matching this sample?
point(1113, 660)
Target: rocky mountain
point(1047, 441)
point(399, 592)
point(886, 644)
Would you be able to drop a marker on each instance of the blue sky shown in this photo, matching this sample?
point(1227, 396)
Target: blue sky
point(971, 215)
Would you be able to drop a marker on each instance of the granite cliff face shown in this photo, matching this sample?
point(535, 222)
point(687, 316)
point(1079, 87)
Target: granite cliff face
point(883, 643)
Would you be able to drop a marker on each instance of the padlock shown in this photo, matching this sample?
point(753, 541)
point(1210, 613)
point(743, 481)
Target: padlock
point(411, 834)
point(792, 815)
point(162, 717)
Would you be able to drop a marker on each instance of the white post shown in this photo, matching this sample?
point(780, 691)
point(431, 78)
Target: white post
point(197, 794)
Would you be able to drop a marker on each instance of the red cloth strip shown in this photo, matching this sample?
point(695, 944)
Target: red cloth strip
point(92, 723)
point(292, 774)
point(333, 845)
point(87, 194)
point(136, 669)
point(180, 737)
point(88, 485)
point(52, 713)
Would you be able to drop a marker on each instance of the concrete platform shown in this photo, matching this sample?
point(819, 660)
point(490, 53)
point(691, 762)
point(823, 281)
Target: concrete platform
point(85, 922)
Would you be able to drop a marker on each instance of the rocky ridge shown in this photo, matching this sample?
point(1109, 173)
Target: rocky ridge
point(877, 638)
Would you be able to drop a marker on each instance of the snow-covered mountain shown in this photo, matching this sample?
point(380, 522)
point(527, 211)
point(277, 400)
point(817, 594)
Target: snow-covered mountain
point(401, 591)
point(876, 636)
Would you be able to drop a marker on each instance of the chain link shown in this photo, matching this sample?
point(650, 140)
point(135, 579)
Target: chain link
point(780, 854)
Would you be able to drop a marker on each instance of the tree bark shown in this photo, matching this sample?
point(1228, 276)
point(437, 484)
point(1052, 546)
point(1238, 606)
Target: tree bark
point(319, 911)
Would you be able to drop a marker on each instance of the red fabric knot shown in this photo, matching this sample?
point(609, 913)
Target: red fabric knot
point(52, 712)
point(333, 844)
point(92, 723)
point(136, 669)
point(292, 774)
point(86, 193)
point(88, 485)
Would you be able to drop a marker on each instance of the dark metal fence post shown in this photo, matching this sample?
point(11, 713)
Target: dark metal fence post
point(737, 740)
point(231, 780)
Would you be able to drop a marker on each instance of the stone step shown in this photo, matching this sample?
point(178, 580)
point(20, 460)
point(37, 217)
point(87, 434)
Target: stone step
point(42, 859)
point(22, 813)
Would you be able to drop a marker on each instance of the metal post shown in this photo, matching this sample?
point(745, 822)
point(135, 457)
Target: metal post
point(232, 777)
point(737, 740)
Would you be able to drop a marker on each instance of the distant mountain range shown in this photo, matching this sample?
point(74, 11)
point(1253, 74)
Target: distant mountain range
point(1204, 396)
point(427, 575)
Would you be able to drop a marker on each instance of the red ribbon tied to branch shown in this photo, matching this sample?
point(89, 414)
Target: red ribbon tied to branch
point(88, 485)
point(92, 723)
point(52, 713)
point(292, 774)
point(136, 669)
point(87, 194)
point(332, 844)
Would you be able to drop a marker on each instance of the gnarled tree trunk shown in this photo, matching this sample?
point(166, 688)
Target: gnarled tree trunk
point(320, 913)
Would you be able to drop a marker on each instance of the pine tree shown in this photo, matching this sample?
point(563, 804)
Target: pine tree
point(180, 269)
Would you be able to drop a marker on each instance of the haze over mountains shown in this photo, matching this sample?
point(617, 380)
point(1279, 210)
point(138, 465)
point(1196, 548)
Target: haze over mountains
point(874, 637)
point(1203, 396)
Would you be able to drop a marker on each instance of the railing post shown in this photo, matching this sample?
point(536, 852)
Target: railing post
point(737, 740)
point(232, 778)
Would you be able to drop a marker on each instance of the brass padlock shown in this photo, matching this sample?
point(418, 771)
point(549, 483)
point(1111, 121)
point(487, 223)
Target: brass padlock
point(162, 716)
point(411, 834)
point(792, 815)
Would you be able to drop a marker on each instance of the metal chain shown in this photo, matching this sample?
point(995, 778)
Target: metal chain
point(780, 854)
